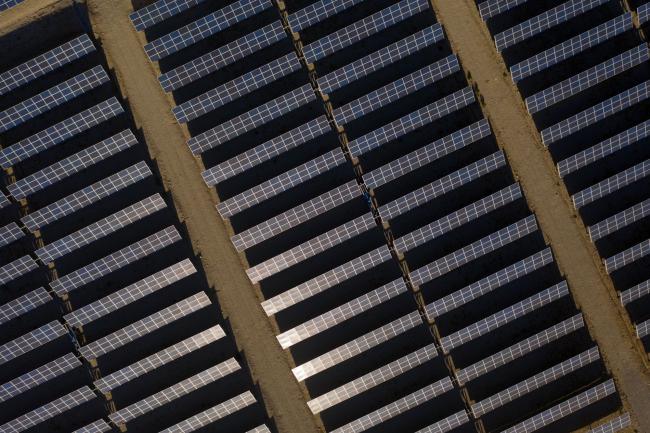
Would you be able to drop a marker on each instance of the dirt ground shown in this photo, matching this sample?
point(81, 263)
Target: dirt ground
point(576, 256)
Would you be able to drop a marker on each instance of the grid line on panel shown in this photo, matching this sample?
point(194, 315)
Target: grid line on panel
point(116, 260)
point(132, 293)
point(16, 269)
point(44, 63)
point(565, 408)
point(643, 329)
point(317, 12)
point(447, 424)
point(252, 119)
point(223, 56)
point(159, 11)
point(544, 21)
point(571, 47)
point(204, 27)
point(86, 196)
point(357, 346)
point(60, 132)
point(363, 28)
point(175, 391)
point(236, 88)
point(73, 164)
point(615, 425)
point(326, 280)
point(381, 58)
point(627, 256)
point(620, 220)
point(99, 426)
point(410, 122)
point(10, 233)
point(52, 98)
point(492, 8)
point(611, 184)
point(24, 304)
point(519, 349)
point(144, 326)
point(636, 292)
point(102, 228)
point(372, 379)
point(30, 341)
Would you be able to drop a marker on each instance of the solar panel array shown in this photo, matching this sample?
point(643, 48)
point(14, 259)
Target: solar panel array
point(101, 291)
point(586, 87)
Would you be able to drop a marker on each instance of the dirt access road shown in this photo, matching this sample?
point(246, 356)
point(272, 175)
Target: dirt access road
point(532, 164)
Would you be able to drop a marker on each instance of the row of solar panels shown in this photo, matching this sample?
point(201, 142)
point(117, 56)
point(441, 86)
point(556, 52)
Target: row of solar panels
point(586, 81)
point(105, 318)
point(312, 195)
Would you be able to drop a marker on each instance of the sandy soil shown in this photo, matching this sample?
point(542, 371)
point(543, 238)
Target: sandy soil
point(239, 300)
point(532, 164)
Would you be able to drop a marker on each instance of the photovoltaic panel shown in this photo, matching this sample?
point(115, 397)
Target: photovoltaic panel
point(613, 426)
point(10, 233)
point(363, 28)
point(165, 356)
point(586, 79)
point(86, 196)
point(24, 304)
point(52, 98)
point(260, 429)
point(159, 11)
point(571, 47)
point(447, 424)
point(60, 132)
point(412, 121)
point(372, 379)
point(16, 269)
point(204, 27)
point(99, 426)
point(643, 329)
point(119, 259)
point(6, 4)
point(396, 90)
point(223, 56)
point(636, 292)
point(4, 202)
point(38, 376)
point(643, 13)
point(174, 392)
point(620, 220)
point(317, 12)
point(565, 408)
point(73, 164)
point(30, 341)
point(49, 410)
point(381, 58)
point(627, 256)
point(45, 63)
point(492, 8)
point(252, 119)
point(596, 113)
point(144, 326)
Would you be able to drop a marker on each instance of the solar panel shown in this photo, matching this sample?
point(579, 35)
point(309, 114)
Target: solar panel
point(492, 8)
point(643, 329)
point(24, 304)
point(362, 29)
point(99, 426)
point(396, 90)
point(488, 284)
point(60, 132)
point(447, 424)
point(213, 414)
point(636, 292)
point(535, 382)
point(223, 56)
point(4, 202)
point(30, 341)
point(102, 228)
point(412, 121)
point(326, 280)
point(176, 391)
point(341, 313)
point(16, 269)
point(613, 426)
point(73, 164)
point(611, 184)
point(10, 233)
point(6, 4)
point(372, 379)
point(266, 151)
point(45, 63)
point(317, 12)
point(620, 220)
point(627, 256)
point(260, 429)
point(117, 260)
point(281, 183)
point(604, 148)
point(586, 79)
point(571, 47)
point(643, 13)
point(357, 346)
point(159, 11)
point(144, 326)
point(295, 216)
point(544, 21)
point(596, 113)
point(429, 153)
point(252, 119)
point(165, 356)
point(49, 410)
point(381, 58)
point(86, 196)
point(520, 349)
point(565, 408)
point(53, 97)
point(132, 293)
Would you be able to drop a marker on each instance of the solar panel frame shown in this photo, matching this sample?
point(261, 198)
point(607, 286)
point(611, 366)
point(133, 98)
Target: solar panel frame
point(99, 426)
point(159, 11)
point(492, 8)
point(4, 201)
point(6, 4)
point(643, 12)
point(24, 304)
point(642, 329)
point(636, 292)
point(260, 429)
point(317, 12)
point(620, 220)
point(10, 234)
point(627, 256)
point(17, 268)
point(447, 424)
point(614, 425)
point(31, 340)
